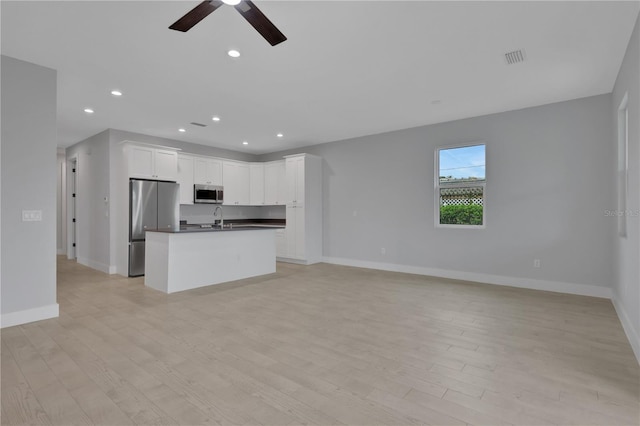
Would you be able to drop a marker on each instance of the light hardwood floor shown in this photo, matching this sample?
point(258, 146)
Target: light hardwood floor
point(320, 344)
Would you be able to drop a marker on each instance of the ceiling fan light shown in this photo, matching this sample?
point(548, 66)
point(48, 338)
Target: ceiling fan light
point(231, 2)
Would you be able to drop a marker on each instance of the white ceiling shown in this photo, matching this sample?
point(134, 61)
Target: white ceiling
point(347, 69)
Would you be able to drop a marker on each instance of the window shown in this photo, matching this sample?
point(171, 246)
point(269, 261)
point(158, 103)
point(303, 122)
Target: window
point(460, 186)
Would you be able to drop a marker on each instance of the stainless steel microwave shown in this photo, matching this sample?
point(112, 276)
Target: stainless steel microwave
point(208, 194)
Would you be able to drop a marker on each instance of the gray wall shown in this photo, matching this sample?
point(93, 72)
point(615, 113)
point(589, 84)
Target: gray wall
point(92, 222)
point(626, 289)
point(549, 172)
point(28, 168)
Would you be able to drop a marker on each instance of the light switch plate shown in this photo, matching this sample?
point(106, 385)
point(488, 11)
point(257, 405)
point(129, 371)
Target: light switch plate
point(31, 215)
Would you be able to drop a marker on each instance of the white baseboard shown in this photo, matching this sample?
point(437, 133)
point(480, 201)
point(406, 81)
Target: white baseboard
point(113, 269)
point(555, 286)
point(29, 315)
point(627, 325)
point(95, 265)
point(290, 260)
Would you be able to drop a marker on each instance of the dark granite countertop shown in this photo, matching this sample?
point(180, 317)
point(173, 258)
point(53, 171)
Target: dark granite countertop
point(231, 225)
point(190, 229)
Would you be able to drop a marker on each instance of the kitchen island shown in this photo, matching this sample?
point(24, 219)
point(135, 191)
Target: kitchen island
point(197, 257)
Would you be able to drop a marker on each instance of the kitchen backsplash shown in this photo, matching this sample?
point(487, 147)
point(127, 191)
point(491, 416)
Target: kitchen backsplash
point(203, 213)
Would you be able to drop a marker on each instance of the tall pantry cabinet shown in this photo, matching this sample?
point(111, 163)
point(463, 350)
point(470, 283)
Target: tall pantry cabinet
point(303, 232)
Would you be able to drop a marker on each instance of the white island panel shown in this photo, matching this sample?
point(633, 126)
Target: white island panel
point(183, 261)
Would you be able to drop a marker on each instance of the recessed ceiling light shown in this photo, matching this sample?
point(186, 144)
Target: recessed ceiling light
point(88, 110)
point(215, 118)
point(182, 130)
point(436, 102)
point(245, 143)
point(231, 2)
point(233, 53)
point(279, 135)
point(116, 93)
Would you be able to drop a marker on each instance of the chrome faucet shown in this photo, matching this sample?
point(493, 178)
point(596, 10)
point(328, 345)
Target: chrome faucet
point(215, 214)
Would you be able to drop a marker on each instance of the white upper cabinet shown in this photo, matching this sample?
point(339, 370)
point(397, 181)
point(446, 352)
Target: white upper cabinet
point(256, 184)
point(235, 177)
point(166, 164)
point(275, 187)
point(295, 172)
point(207, 171)
point(141, 162)
point(185, 178)
point(152, 163)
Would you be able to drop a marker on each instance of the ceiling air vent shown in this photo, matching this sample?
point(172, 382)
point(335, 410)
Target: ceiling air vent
point(198, 124)
point(514, 57)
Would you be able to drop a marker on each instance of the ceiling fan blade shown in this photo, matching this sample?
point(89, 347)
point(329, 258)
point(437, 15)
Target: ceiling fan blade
point(196, 15)
point(260, 22)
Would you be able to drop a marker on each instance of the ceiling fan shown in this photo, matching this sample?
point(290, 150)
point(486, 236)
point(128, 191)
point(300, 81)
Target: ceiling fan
point(247, 9)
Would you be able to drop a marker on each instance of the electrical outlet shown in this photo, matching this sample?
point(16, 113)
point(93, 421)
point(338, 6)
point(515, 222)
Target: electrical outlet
point(355, 213)
point(31, 215)
point(383, 251)
point(536, 263)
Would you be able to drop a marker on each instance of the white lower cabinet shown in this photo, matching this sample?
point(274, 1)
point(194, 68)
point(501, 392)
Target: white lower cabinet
point(295, 233)
point(281, 243)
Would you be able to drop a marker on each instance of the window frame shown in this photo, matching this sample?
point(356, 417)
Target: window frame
point(437, 186)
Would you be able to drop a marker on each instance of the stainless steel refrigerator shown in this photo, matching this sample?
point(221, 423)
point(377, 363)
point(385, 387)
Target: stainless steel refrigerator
point(152, 205)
